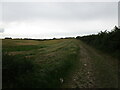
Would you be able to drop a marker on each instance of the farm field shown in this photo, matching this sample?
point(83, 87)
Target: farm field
point(64, 63)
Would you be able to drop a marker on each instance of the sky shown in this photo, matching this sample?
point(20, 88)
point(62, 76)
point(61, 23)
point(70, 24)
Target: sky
point(56, 19)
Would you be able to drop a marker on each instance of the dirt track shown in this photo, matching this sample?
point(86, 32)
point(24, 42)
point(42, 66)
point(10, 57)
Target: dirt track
point(95, 70)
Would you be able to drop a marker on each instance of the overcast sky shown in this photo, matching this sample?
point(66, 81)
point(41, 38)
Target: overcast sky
point(57, 19)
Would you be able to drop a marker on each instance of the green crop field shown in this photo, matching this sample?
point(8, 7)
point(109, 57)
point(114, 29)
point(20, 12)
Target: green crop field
point(59, 63)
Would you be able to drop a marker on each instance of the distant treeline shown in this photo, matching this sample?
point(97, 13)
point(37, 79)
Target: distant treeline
point(106, 41)
point(38, 39)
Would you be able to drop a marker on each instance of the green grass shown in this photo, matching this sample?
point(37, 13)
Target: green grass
point(38, 65)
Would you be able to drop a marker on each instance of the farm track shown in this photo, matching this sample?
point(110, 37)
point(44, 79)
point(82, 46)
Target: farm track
point(86, 75)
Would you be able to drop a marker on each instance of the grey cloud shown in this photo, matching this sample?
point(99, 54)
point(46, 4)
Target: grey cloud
point(1, 30)
point(20, 11)
point(72, 18)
